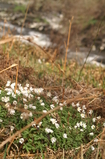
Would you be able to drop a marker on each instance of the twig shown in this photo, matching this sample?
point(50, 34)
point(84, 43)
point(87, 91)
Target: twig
point(67, 44)
point(25, 18)
point(63, 153)
point(14, 65)
point(16, 78)
point(81, 151)
point(97, 153)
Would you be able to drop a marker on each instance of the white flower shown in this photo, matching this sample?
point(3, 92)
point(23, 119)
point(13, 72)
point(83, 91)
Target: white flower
point(13, 85)
point(53, 121)
point(44, 111)
point(78, 109)
point(31, 89)
point(30, 96)
point(81, 123)
point(96, 140)
point(82, 115)
point(94, 119)
point(14, 102)
point(92, 148)
point(34, 125)
point(78, 104)
point(25, 88)
point(83, 107)
point(90, 111)
point(8, 83)
point(24, 100)
point(57, 125)
point(98, 117)
point(41, 101)
point(30, 114)
point(53, 139)
point(13, 95)
point(47, 130)
point(93, 126)
point(61, 108)
point(38, 90)
point(91, 134)
point(21, 140)
point(12, 111)
point(49, 94)
point(73, 105)
point(18, 92)
point(75, 126)
point(5, 99)
point(61, 104)
point(52, 106)
point(70, 128)
point(25, 93)
point(104, 124)
point(38, 98)
point(84, 125)
point(33, 107)
point(25, 106)
point(81, 130)
point(7, 105)
point(40, 123)
point(9, 91)
point(83, 111)
point(55, 99)
point(0, 91)
point(42, 104)
point(1, 120)
point(21, 88)
point(27, 85)
point(39, 61)
point(11, 128)
point(30, 106)
point(65, 136)
point(78, 125)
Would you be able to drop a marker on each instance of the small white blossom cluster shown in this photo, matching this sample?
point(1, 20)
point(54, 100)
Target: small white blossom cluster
point(95, 119)
point(80, 109)
point(47, 130)
point(81, 125)
point(54, 122)
point(53, 140)
point(38, 91)
point(55, 99)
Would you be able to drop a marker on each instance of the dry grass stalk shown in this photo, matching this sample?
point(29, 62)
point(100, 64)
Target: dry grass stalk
point(97, 153)
point(67, 46)
point(13, 65)
point(53, 57)
point(6, 40)
point(102, 144)
point(25, 17)
point(4, 27)
point(81, 151)
point(16, 78)
point(63, 153)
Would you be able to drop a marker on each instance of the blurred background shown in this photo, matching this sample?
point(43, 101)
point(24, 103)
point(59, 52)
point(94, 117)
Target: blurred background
point(48, 21)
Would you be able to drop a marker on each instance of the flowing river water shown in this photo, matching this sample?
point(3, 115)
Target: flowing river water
point(96, 56)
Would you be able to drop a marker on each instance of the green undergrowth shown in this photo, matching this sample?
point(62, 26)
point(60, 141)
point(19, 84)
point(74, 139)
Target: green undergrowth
point(66, 128)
